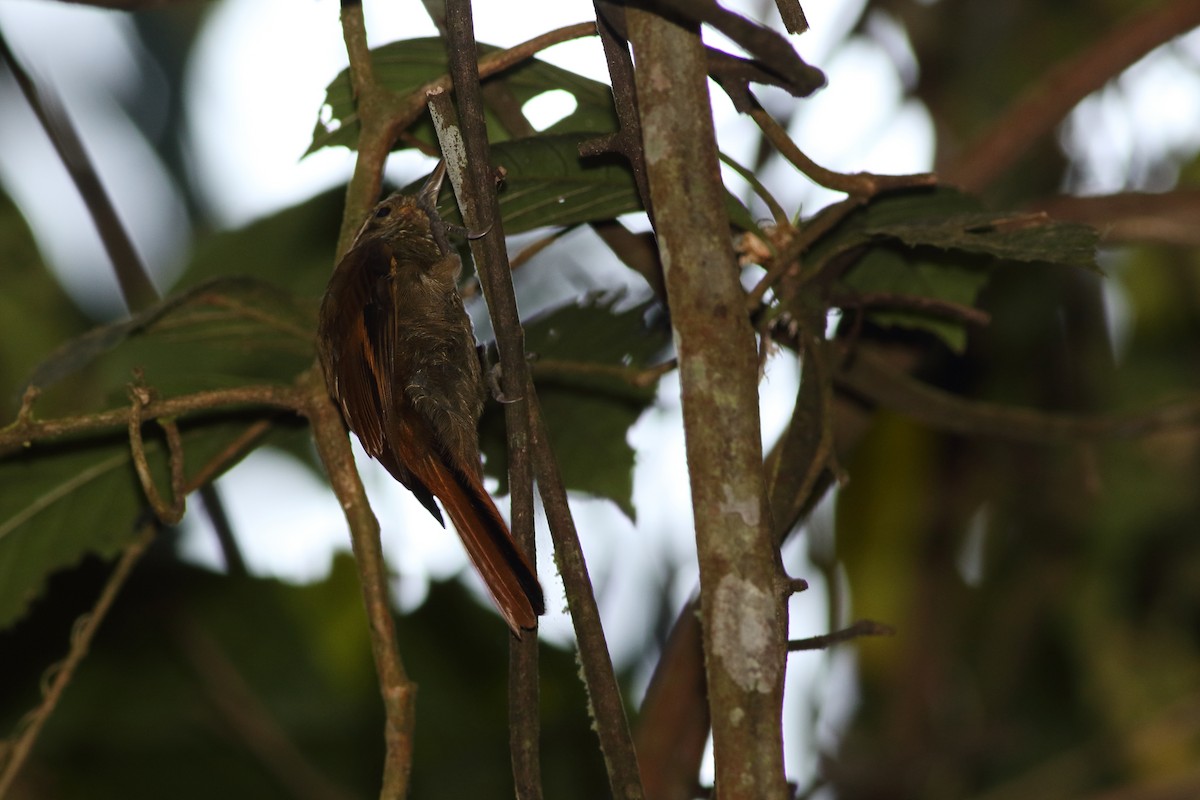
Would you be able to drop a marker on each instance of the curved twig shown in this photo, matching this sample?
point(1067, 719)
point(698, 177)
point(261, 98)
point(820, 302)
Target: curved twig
point(858, 184)
point(172, 513)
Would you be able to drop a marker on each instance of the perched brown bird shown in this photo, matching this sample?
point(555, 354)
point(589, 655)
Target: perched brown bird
point(399, 357)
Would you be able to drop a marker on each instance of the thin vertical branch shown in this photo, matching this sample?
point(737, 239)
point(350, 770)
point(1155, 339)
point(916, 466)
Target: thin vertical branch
point(744, 611)
point(378, 113)
point(399, 693)
point(376, 108)
point(608, 710)
point(674, 722)
point(478, 194)
point(475, 186)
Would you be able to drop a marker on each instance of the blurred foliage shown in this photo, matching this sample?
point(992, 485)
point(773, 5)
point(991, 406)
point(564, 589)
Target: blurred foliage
point(1047, 597)
point(205, 685)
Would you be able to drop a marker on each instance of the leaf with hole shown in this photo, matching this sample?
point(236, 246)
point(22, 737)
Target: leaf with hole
point(405, 66)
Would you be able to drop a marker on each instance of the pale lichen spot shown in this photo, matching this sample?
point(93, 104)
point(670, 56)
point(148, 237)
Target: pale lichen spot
point(742, 615)
point(747, 508)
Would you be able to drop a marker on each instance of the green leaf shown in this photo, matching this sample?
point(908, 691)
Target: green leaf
point(546, 183)
point(1009, 237)
point(225, 333)
point(405, 66)
point(67, 498)
point(922, 273)
point(950, 220)
point(589, 415)
point(293, 248)
point(35, 313)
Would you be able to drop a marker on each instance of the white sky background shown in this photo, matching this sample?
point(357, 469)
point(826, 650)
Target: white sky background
point(254, 89)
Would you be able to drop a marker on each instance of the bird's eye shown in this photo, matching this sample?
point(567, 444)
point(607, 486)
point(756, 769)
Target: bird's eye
point(382, 212)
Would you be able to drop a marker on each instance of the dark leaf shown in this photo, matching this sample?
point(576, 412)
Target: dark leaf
point(940, 244)
point(588, 415)
point(35, 313)
point(68, 498)
point(224, 333)
point(292, 248)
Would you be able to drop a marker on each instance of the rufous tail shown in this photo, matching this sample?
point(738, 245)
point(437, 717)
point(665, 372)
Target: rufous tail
point(490, 546)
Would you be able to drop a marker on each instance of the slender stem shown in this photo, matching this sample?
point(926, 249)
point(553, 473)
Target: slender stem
point(604, 694)
point(399, 693)
point(777, 213)
point(857, 630)
point(475, 188)
point(81, 639)
point(245, 714)
point(789, 254)
point(26, 431)
point(911, 302)
point(858, 184)
point(235, 562)
point(1133, 217)
point(868, 376)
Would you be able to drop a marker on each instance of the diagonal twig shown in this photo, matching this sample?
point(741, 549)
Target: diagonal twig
point(82, 636)
point(1044, 104)
point(135, 284)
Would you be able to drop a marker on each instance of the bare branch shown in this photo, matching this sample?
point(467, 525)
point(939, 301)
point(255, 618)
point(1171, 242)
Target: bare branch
point(608, 710)
point(864, 627)
point(867, 375)
point(1133, 217)
point(245, 713)
point(25, 431)
point(858, 184)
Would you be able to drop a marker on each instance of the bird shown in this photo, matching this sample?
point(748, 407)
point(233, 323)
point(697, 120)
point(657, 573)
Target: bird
point(399, 356)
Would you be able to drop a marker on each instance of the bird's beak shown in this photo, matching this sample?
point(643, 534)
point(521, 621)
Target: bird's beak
point(428, 195)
